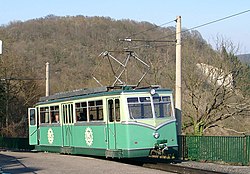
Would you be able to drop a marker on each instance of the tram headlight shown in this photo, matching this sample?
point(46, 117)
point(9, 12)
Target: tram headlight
point(156, 135)
point(152, 91)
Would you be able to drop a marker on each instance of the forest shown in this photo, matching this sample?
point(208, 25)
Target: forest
point(216, 90)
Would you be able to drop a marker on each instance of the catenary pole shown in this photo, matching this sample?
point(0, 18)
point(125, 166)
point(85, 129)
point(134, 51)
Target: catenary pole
point(1, 47)
point(178, 99)
point(47, 80)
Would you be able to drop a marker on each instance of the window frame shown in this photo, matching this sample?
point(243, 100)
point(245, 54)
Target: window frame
point(48, 112)
point(78, 110)
point(114, 110)
point(140, 103)
point(53, 112)
point(162, 107)
point(95, 107)
point(44, 113)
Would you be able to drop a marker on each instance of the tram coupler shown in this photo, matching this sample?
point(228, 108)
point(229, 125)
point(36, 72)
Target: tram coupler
point(159, 149)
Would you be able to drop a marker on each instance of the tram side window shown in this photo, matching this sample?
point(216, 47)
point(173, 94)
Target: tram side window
point(81, 111)
point(111, 110)
point(54, 114)
point(44, 115)
point(95, 110)
point(70, 106)
point(65, 113)
point(117, 110)
point(114, 110)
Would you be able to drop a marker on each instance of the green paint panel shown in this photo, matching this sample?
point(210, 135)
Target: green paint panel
point(136, 136)
point(89, 151)
point(33, 131)
point(132, 140)
point(67, 135)
point(90, 136)
point(56, 149)
point(136, 153)
point(112, 135)
point(51, 135)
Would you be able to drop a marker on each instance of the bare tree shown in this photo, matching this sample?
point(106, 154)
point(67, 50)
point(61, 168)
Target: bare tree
point(18, 92)
point(211, 94)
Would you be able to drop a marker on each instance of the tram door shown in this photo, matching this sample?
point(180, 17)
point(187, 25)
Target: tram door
point(113, 118)
point(68, 121)
point(33, 126)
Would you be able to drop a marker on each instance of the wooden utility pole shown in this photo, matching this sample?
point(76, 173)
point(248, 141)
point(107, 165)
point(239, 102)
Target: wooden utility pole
point(178, 76)
point(47, 80)
point(1, 47)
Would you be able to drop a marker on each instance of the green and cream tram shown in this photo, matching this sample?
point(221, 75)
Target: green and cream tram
point(123, 123)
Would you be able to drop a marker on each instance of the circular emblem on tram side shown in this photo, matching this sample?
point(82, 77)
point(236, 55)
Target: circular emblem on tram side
point(89, 136)
point(50, 136)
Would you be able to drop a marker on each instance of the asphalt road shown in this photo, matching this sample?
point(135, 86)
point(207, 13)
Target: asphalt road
point(28, 162)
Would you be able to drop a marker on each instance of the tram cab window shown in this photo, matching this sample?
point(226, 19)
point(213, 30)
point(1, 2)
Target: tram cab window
point(140, 107)
point(44, 115)
point(162, 106)
point(95, 110)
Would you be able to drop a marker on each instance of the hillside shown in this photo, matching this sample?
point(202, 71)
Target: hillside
point(245, 58)
point(72, 46)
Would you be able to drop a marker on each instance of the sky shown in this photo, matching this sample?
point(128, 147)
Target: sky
point(192, 12)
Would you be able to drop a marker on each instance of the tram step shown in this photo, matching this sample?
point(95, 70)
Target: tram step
point(117, 153)
point(66, 150)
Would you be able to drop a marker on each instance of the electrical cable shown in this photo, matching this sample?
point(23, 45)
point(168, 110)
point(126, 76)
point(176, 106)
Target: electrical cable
point(20, 78)
point(198, 26)
point(208, 23)
point(218, 20)
point(150, 29)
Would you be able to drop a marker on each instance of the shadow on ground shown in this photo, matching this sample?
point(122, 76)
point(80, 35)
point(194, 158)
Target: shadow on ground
point(11, 165)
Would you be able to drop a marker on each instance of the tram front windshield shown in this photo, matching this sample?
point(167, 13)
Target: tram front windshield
point(149, 107)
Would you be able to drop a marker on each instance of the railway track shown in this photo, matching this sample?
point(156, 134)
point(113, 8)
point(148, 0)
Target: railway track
point(179, 169)
point(168, 166)
point(28, 162)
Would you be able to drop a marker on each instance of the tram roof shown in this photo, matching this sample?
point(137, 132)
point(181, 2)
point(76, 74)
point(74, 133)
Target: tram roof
point(92, 92)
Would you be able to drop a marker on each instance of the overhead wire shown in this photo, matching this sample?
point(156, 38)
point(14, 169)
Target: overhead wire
point(208, 23)
point(218, 20)
point(183, 31)
point(152, 28)
point(20, 78)
point(144, 31)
